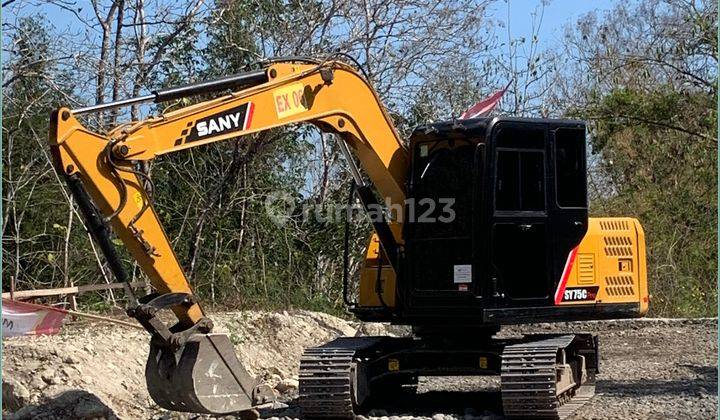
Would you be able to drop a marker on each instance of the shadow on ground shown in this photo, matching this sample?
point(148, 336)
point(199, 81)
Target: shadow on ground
point(701, 381)
point(706, 383)
point(73, 404)
point(425, 404)
point(447, 402)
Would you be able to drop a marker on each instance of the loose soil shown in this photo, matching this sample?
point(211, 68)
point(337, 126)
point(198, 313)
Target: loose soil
point(650, 369)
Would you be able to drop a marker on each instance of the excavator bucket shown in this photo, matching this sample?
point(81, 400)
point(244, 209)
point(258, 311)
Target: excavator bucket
point(202, 376)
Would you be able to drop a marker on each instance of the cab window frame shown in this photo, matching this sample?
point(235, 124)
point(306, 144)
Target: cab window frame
point(580, 173)
point(519, 152)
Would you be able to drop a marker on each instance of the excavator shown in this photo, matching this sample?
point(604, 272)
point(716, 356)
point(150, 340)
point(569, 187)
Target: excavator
point(494, 231)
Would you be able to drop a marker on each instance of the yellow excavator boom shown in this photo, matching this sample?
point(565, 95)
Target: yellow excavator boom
point(101, 170)
point(294, 93)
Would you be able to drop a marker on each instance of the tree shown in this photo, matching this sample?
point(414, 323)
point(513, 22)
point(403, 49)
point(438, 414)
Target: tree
point(39, 236)
point(644, 76)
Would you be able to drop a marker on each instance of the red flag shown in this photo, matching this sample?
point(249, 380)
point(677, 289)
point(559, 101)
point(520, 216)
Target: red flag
point(484, 107)
point(22, 318)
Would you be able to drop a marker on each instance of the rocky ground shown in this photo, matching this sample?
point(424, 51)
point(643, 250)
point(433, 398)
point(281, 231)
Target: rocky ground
point(650, 369)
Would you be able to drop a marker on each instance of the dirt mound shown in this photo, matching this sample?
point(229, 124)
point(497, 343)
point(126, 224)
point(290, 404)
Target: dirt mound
point(97, 370)
point(654, 368)
point(271, 343)
point(105, 361)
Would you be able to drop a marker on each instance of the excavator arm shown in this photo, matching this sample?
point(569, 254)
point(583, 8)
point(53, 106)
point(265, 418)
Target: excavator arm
point(101, 170)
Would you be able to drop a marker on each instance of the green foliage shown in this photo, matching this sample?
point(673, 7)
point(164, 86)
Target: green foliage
point(234, 253)
point(659, 152)
point(40, 246)
point(644, 75)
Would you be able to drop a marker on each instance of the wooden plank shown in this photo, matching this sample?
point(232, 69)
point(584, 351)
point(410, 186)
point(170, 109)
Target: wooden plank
point(21, 294)
point(105, 318)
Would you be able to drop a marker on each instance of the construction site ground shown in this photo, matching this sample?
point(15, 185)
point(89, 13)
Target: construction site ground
point(650, 369)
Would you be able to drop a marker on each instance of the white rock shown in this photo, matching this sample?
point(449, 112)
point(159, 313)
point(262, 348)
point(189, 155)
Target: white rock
point(37, 383)
point(68, 371)
point(71, 360)
point(48, 375)
point(287, 385)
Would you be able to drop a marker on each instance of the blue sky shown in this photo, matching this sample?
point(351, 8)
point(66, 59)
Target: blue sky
point(558, 13)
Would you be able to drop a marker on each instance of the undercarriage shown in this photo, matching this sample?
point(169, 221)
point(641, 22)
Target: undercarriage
point(541, 376)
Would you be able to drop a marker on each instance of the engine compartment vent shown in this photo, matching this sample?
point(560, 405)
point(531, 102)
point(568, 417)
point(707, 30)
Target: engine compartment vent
point(618, 246)
point(619, 285)
point(586, 268)
point(614, 225)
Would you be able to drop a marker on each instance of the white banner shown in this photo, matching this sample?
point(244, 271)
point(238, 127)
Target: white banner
point(14, 324)
point(21, 318)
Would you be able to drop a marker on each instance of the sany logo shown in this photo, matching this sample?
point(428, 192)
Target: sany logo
point(218, 125)
point(234, 119)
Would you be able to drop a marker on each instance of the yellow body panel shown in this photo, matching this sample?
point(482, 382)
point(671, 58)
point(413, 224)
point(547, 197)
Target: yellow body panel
point(368, 296)
point(611, 257)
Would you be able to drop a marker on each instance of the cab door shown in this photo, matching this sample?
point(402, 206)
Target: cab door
point(520, 237)
point(568, 191)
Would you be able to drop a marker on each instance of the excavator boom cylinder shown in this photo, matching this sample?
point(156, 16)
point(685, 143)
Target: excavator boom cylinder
point(235, 81)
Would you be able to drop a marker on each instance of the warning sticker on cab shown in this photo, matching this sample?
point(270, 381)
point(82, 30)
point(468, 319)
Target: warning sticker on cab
point(290, 100)
point(462, 273)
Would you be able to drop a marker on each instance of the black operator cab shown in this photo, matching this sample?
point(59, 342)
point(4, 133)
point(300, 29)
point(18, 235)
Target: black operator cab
point(494, 208)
